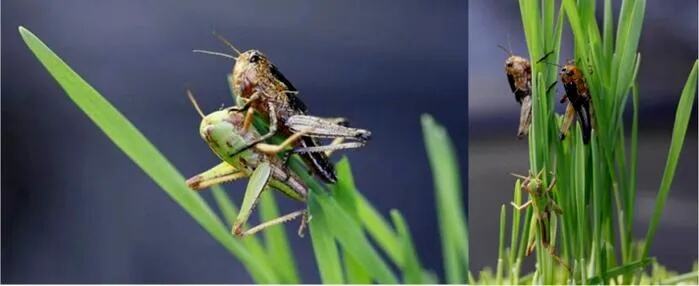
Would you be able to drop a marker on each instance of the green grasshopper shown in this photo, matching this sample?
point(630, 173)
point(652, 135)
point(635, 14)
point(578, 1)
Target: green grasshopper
point(544, 207)
point(223, 131)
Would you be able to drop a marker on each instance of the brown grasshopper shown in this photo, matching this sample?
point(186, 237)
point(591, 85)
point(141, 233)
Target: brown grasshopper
point(259, 86)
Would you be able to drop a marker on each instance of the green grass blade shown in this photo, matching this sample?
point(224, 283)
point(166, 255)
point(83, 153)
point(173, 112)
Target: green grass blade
point(142, 152)
point(620, 270)
point(450, 210)
point(350, 236)
point(324, 247)
point(354, 271)
point(684, 112)
point(281, 258)
point(412, 271)
point(229, 212)
point(347, 195)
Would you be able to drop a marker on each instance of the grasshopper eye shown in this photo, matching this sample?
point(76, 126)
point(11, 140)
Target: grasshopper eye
point(509, 65)
point(254, 58)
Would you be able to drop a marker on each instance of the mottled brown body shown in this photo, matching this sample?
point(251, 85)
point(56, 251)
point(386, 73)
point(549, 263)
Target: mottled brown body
point(519, 76)
point(579, 100)
point(258, 82)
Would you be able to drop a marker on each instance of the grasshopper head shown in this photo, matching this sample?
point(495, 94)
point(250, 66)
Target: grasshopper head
point(570, 73)
point(223, 132)
point(516, 66)
point(250, 68)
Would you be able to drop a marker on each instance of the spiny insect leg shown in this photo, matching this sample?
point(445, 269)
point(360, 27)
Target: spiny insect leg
point(521, 207)
point(276, 221)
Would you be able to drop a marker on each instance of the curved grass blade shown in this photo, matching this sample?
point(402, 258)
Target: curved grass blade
point(347, 195)
point(229, 212)
point(142, 152)
point(281, 258)
point(452, 224)
point(324, 247)
point(410, 266)
point(349, 235)
point(684, 112)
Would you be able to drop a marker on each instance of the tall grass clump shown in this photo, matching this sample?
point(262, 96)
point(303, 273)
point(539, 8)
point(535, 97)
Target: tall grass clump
point(352, 241)
point(592, 240)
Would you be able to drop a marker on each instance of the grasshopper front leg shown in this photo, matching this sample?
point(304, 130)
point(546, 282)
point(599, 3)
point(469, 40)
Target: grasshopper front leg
point(272, 130)
point(521, 207)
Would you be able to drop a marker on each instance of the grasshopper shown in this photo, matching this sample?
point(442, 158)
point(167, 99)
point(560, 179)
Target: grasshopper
point(258, 85)
point(519, 76)
point(579, 101)
point(544, 206)
point(225, 134)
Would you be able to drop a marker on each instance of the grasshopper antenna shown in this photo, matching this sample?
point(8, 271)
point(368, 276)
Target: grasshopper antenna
point(560, 66)
point(222, 39)
point(519, 176)
point(215, 54)
point(509, 52)
point(544, 57)
point(194, 102)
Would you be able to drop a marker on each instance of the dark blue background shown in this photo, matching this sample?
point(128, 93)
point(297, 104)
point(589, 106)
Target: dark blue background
point(75, 209)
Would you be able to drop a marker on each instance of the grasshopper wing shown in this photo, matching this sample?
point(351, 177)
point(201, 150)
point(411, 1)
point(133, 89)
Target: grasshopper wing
point(325, 128)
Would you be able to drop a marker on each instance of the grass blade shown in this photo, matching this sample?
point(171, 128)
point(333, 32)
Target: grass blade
point(447, 180)
point(349, 235)
point(324, 247)
point(412, 271)
point(684, 112)
point(281, 258)
point(229, 212)
point(346, 194)
point(142, 152)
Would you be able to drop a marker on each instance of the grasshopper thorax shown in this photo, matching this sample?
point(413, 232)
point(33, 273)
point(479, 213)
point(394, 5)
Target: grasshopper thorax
point(223, 131)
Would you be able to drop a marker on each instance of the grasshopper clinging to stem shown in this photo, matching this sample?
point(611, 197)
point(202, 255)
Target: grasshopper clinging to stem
point(225, 134)
point(544, 210)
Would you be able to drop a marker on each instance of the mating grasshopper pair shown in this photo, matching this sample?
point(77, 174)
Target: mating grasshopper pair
point(259, 86)
point(225, 134)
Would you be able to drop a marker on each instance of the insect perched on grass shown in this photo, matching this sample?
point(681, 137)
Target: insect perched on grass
point(544, 207)
point(224, 133)
point(260, 86)
point(519, 76)
point(579, 99)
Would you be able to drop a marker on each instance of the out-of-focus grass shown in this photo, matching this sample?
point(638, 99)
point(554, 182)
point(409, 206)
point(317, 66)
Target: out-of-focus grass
point(348, 234)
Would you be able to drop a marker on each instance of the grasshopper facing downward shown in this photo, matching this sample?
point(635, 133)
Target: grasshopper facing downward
point(544, 207)
point(225, 134)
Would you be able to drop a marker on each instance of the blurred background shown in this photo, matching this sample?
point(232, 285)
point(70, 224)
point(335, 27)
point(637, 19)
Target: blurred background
point(668, 46)
point(75, 209)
